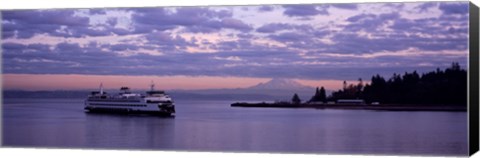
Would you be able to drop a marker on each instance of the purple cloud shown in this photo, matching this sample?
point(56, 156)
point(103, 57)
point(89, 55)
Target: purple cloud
point(454, 8)
point(394, 6)
point(349, 6)
point(167, 41)
point(369, 22)
point(350, 42)
point(425, 6)
point(274, 27)
point(240, 55)
point(265, 8)
point(304, 10)
point(97, 11)
point(245, 36)
point(112, 21)
point(235, 24)
point(215, 25)
point(45, 17)
point(27, 23)
point(68, 47)
point(290, 37)
point(39, 47)
point(149, 19)
point(359, 17)
point(228, 45)
point(192, 18)
point(123, 47)
point(12, 46)
point(60, 23)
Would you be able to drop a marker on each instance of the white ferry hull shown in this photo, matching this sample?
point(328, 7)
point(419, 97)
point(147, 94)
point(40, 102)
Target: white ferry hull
point(152, 102)
point(138, 107)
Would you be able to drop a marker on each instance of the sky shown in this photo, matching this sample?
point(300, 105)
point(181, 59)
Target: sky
point(228, 46)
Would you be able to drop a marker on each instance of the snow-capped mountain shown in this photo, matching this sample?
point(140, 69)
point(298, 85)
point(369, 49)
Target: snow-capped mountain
point(280, 83)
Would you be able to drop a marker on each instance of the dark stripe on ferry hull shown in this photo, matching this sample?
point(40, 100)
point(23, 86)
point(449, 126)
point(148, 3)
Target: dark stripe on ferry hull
point(126, 111)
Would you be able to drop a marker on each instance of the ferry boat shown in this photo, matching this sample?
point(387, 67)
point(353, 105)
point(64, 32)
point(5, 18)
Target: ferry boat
point(152, 102)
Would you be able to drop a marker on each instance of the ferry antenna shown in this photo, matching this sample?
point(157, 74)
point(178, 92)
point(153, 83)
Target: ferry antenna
point(101, 87)
point(152, 86)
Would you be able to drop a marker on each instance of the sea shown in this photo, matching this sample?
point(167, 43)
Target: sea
point(214, 126)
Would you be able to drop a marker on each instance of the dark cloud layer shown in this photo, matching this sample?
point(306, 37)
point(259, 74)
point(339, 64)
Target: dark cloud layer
point(349, 6)
point(274, 27)
point(60, 23)
point(265, 8)
point(405, 33)
point(27, 23)
point(304, 10)
point(305, 51)
point(193, 19)
point(424, 7)
point(311, 10)
point(454, 8)
point(65, 23)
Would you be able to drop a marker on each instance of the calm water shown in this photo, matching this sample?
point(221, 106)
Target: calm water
point(215, 126)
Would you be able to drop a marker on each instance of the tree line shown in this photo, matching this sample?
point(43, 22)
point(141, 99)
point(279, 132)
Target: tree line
point(439, 87)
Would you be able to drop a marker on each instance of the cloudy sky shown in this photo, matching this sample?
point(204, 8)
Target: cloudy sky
point(228, 46)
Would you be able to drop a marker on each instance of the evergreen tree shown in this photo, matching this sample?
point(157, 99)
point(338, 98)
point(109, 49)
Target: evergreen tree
point(440, 87)
point(296, 99)
point(315, 97)
point(322, 95)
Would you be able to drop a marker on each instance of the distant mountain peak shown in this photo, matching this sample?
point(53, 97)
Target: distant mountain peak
point(280, 83)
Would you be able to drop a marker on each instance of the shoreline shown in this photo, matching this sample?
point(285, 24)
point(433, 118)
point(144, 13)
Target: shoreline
point(380, 107)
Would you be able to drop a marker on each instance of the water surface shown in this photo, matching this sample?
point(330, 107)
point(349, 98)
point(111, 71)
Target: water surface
point(215, 126)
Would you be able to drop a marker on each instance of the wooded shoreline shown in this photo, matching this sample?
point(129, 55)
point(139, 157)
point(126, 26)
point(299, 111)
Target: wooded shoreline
point(381, 107)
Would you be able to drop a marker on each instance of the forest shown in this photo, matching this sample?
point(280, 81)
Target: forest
point(439, 87)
